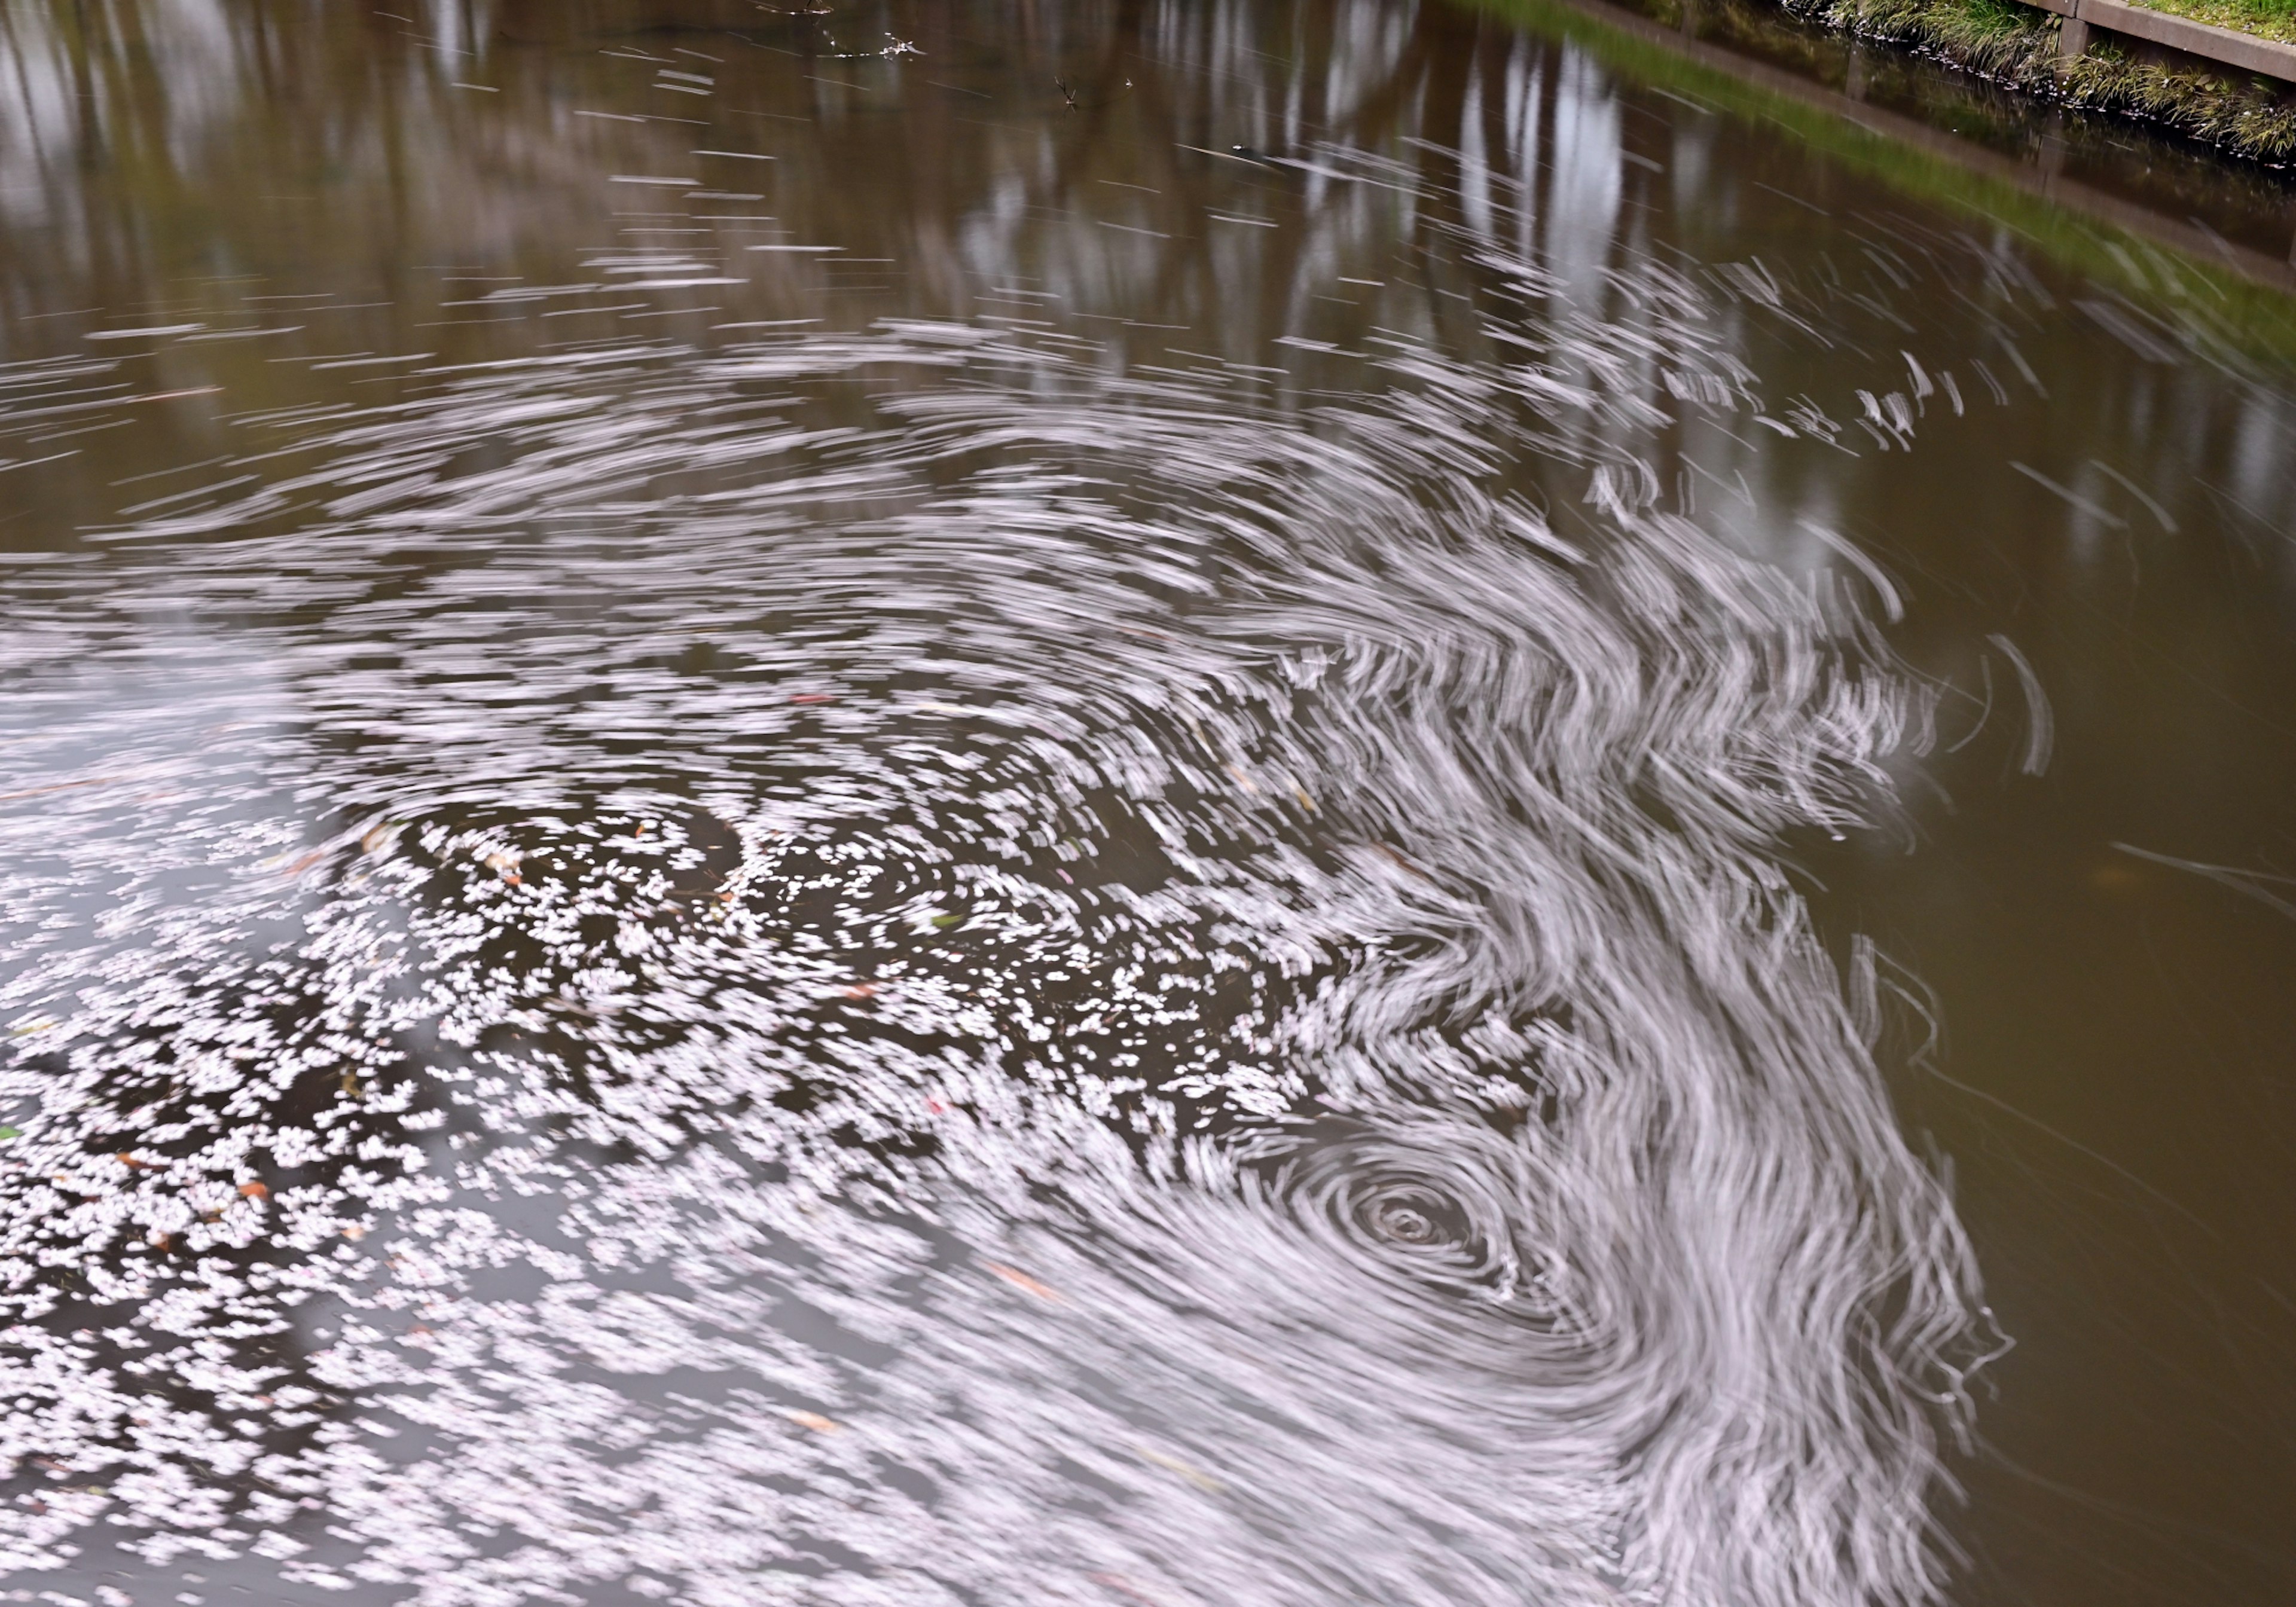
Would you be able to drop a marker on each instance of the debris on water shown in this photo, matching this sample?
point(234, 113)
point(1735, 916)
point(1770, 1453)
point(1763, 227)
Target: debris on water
point(1117, 1581)
point(1397, 854)
point(1021, 1281)
point(1188, 1471)
point(644, 1173)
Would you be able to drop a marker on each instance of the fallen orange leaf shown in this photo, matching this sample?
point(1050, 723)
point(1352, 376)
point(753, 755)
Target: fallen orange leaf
point(1022, 1280)
point(1400, 860)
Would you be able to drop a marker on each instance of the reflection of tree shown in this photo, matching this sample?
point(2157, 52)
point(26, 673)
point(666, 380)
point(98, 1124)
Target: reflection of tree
point(305, 145)
point(323, 168)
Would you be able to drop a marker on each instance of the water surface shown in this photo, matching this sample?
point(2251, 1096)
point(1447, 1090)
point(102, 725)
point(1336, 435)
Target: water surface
point(1174, 803)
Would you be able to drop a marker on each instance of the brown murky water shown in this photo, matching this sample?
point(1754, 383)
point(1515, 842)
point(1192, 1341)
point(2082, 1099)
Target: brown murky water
point(1221, 802)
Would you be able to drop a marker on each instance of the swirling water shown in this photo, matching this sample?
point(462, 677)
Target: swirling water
point(913, 959)
point(1248, 874)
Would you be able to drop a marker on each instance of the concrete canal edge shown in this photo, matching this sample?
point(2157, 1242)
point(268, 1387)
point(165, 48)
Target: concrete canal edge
point(2217, 86)
point(2221, 46)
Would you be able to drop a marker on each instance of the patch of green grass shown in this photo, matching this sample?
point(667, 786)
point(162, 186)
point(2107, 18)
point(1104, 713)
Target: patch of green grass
point(2239, 115)
point(1998, 16)
point(1987, 32)
point(2267, 19)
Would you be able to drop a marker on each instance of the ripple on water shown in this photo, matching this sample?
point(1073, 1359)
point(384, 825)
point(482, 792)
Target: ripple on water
point(1064, 979)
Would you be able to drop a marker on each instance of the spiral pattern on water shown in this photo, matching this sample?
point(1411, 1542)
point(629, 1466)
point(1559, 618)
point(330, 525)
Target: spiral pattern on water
point(1188, 967)
point(1446, 1206)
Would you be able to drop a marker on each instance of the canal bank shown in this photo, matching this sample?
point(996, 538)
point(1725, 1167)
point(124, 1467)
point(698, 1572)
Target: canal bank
point(2226, 88)
point(2120, 201)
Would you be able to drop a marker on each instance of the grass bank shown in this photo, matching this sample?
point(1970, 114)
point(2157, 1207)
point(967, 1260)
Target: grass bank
point(2265, 18)
point(2016, 45)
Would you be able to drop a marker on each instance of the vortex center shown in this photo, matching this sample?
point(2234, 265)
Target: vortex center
point(1415, 1218)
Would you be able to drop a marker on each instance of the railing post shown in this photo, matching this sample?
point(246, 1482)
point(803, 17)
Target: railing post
point(2072, 40)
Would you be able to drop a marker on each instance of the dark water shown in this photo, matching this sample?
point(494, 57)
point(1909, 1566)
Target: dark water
point(796, 807)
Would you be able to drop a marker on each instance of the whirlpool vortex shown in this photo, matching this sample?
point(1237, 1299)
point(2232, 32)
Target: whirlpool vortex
point(892, 967)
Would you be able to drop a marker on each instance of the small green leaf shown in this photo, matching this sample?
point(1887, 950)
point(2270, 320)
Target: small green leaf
point(7, 1133)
